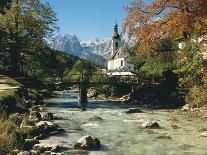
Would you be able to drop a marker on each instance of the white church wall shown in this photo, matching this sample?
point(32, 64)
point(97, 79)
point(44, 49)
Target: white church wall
point(111, 65)
point(117, 63)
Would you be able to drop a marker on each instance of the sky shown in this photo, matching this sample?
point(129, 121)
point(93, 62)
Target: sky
point(89, 18)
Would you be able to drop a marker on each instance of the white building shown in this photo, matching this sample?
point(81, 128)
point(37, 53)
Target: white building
point(117, 61)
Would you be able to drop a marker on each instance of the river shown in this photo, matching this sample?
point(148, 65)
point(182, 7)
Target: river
point(119, 133)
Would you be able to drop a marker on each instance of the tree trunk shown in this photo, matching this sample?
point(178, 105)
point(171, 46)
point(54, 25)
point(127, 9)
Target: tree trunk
point(15, 50)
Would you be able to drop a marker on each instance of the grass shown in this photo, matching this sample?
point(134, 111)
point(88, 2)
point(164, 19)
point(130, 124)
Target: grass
point(9, 92)
point(8, 139)
point(11, 82)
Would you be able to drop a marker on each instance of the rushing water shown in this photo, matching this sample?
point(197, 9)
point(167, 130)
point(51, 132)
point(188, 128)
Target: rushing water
point(119, 132)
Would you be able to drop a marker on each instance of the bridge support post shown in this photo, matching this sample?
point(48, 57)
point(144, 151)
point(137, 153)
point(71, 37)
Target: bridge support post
point(83, 99)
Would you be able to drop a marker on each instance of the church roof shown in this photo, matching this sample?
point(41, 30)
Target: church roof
point(120, 53)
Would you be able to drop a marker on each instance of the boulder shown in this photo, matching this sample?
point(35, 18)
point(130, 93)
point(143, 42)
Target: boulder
point(40, 137)
point(45, 123)
point(50, 147)
point(34, 108)
point(186, 107)
point(164, 137)
point(83, 109)
point(47, 116)
point(29, 143)
point(46, 127)
point(24, 153)
point(174, 126)
point(87, 143)
point(150, 124)
point(51, 153)
point(27, 153)
point(35, 116)
point(102, 96)
point(133, 110)
point(125, 98)
point(95, 118)
point(27, 124)
point(14, 152)
point(204, 134)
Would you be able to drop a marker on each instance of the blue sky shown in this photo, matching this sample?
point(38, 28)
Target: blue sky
point(89, 18)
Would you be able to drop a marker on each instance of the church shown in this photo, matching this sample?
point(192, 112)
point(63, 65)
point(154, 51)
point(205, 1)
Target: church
point(117, 63)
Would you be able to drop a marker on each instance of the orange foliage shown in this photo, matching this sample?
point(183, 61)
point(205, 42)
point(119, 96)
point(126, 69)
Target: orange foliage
point(162, 18)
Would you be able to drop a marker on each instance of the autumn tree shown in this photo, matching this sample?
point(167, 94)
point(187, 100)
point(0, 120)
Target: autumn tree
point(165, 18)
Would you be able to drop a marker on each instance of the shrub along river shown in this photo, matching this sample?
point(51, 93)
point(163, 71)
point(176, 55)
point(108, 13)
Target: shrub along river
point(119, 132)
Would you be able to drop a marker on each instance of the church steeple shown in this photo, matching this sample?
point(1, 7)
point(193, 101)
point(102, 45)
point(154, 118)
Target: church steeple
point(116, 33)
point(115, 39)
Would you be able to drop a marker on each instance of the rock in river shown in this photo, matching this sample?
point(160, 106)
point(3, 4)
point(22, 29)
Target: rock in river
point(35, 116)
point(164, 137)
point(150, 124)
point(87, 143)
point(133, 110)
point(95, 118)
point(29, 143)
point(27, 153)
point(47, 116)
point(204, 134)
point(186, 107)
point(45, 122)
point(50, 145)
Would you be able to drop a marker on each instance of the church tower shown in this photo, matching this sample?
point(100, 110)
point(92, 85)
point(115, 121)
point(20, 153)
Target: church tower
point(116, 41)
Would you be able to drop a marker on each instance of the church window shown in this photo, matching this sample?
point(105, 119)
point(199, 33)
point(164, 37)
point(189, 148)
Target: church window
point(116, 44)
point(122, 63)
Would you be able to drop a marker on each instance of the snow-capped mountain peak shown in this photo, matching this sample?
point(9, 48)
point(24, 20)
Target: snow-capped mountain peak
point(92, 49)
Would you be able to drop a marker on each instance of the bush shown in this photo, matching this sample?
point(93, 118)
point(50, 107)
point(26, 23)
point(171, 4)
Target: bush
point(197, 97)
point(9, 139)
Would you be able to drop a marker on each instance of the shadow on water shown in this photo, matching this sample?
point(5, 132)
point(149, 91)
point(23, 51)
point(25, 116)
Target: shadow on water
point(70, 100)
point(90, 105)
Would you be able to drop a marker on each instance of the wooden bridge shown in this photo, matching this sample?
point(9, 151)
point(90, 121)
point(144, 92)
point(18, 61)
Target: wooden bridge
point(84, 83)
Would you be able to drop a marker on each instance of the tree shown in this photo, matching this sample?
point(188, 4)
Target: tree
point(165, 18)
point(27, 23)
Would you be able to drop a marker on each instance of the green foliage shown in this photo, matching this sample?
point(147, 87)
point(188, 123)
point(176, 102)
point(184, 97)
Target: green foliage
point(190, 66)
point(156, 66)
point(153, 65)
point(81, 69)
point(193, 76)
point(25, 25)
point(165, 45)
point(113, 85)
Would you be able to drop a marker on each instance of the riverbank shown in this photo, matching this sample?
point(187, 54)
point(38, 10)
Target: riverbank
point(23, 115)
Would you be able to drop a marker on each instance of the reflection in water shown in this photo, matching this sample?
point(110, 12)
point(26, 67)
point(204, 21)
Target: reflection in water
point(119, 132)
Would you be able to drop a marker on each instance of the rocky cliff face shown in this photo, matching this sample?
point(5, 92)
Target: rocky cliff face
point(68, 43)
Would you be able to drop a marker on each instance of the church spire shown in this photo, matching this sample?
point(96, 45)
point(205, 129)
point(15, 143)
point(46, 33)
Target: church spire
point(116, 39)
point(116, 33)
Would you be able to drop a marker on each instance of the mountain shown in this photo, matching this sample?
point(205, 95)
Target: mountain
point(68, 43)
point(94, 50)
point(96, 46)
